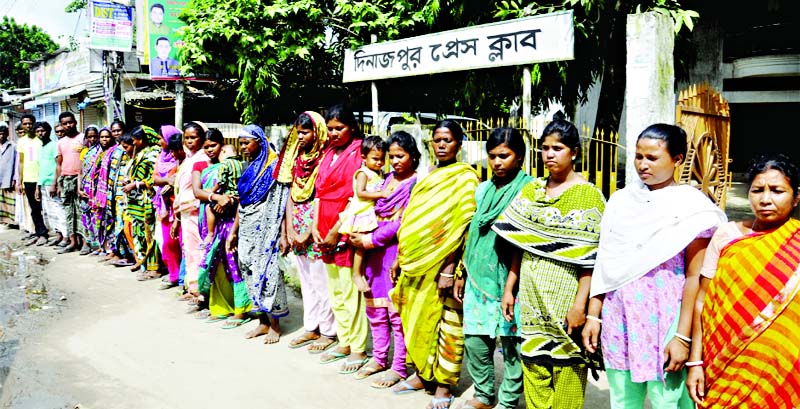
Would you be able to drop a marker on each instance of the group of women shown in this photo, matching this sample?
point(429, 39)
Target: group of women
point(653, 286)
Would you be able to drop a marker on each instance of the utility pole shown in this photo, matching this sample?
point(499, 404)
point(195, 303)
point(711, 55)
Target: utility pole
point(179, 91)
point(108, 88)
point(374, 88)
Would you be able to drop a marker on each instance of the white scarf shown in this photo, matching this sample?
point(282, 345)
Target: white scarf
point(642, 229)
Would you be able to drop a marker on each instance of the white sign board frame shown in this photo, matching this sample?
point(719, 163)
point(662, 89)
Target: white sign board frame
point(543, 38)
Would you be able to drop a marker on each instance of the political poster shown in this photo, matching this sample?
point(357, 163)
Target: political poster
point(111, 26)
point(162, 33)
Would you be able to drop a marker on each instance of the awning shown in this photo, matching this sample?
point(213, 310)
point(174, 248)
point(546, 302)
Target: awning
point(62, 94)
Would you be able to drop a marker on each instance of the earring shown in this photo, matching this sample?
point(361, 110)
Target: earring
point(573, 158)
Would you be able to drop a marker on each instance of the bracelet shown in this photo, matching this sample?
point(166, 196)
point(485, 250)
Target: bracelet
point(211, 197)
point(447, 275)
point(595, 319)
point(683, 337)
point(693, 363)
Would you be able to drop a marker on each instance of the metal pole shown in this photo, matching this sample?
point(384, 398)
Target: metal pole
point(179, 104)
point(374, 87)
point(108, 88)
point(526, 117)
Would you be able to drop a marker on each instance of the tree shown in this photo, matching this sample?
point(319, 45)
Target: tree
point(76, 6)
point(20, 43)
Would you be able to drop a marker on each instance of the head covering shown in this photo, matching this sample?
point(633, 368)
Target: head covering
point(151, 136)
point(166, 162)
point(258, 179)
point(301, 168)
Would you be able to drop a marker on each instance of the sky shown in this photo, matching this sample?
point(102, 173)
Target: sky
point(49, 15)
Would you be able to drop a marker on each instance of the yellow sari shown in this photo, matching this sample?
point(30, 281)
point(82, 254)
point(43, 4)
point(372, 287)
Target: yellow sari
point(434, 226)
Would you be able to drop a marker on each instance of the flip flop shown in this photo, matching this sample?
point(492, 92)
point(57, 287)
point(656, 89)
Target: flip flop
point(365, 371)
point(328, 346)
point(407, 388)
point(388, 376)
point(333, 357)
point(359, 362)
point(232, 323)
point(300, 342)
point(436, 401)
point(215, 318)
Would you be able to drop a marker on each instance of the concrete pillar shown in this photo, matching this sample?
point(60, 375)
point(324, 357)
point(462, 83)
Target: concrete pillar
point(649, 79)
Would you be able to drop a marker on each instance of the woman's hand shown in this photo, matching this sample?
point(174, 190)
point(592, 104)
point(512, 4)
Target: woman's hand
point(331, 239)
point(84, 195)
point(174, 230)
point(445, 284)
point(507, 305)
point(575, 318)
point(458, 289)
point(283, 245)
point(394, 271)
point(127, 188)
point(231, 243)
point(355, 240)
point(675, 355)
point(591, 333)
point(315, 234)
point(696, 384)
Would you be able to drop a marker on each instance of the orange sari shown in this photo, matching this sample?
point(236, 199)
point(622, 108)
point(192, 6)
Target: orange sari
point(751, 318)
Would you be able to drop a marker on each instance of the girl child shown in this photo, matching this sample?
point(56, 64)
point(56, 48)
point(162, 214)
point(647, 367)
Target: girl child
point(359, 216)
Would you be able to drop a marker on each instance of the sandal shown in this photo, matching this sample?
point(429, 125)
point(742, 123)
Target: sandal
point(371, 368)
point(232, 323)
point(406, 388)
point(332, 357)
point(321, 345)
point(387, 380)
point(214, 318)
point(302, 340)
point(354, 365)
point(435, 402)
point(148, 275)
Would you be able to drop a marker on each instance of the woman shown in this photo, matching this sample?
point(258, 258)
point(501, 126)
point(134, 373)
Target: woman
point(47, 191)
point(86, 187)
point(554, 225)
point(99, 190)
point(652, 241)
point(430, 243)
point(487, 259)
point(306, 142)
point(186, 208)
point(140, 203)
point(117, 173)
point(334, 187)
point(163, 179)
point(258, 228)
point(102, 202)
point(380, 255)
point(746, 340)
point(219, 273)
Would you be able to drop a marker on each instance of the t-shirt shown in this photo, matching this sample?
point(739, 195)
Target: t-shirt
point(70, 151)
point(47, 164)
point(29, 149)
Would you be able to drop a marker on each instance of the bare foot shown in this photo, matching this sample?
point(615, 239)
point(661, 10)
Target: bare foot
point(274, 335)
point(476, 404)
point(410, 384)
point(360, 282)
point(321, 344)
point(261, 329)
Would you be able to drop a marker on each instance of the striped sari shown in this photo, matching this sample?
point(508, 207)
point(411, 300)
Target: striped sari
point(140, 209)
point(434, 226)
point(751, 318)
point(87, 182)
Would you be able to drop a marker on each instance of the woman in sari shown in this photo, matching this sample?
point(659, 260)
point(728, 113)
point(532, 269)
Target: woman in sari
point(257, 230)
point(121, 236)
point(219, 275)
point(116, 159)
point(186, 208)
point(163, 179)
point(554, 224)
point(334, 186)
point(487, 258)
point(86, 188)
point(102, 203)
point(430, 244)
point(140, 203)
point(306, 142)
point(746, 338)
point(652, 241)
point(380, 247)
point(99, 190)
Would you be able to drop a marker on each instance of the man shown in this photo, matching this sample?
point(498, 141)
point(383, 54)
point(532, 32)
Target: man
point(156, 26)
point(68, 167)
point(28, 148)
point(161, 65)
point(8, 177)
point(59, 131)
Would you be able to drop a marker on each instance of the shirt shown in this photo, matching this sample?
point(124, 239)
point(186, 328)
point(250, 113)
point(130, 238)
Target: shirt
point(70, 151)
point(28, 149)
point(8, 162)
point(47, 164)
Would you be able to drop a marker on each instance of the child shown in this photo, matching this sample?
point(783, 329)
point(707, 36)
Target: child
point(359, 216)
point(230, 169)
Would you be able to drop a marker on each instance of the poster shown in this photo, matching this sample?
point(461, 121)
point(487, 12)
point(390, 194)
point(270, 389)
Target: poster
point(111, 26)
point(161, 25)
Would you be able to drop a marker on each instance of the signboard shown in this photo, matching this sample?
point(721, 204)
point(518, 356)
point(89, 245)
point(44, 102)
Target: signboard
point(111, 26)
point(163, 43)
point(549, 37)
point(63, 70)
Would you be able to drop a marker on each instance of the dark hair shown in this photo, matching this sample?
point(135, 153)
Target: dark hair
point(118, 122)
point(215, 135)
point(566, 131)
point(672, 135)
point(406, 142)
point(126, 138)
point(304, 121)
point(96, 129)
point(47, 130)
point(28, 116)
point(138, 133)
point(453, 126)
point(372, 142)
point(778, 161)
point(157, 6)
point(175, 142)
point(66, 114)
point(163, 39)
point(509, 136)
point(344, 114)
point(4, 128)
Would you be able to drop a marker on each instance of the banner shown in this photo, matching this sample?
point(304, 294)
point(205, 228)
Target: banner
point(548, 37)
point(161, 25)
point(111, 26)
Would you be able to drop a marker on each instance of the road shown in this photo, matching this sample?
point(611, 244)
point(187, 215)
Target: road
point(118, 343)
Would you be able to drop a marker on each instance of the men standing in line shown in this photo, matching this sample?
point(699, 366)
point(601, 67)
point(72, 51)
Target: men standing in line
point(68, 167)
point(28, 147)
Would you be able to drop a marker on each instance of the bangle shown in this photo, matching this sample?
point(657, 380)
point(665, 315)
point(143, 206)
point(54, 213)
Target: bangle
point(693, 363)
point(595, 319)
point(447, 275)
point(211, 197)
point(683, 337)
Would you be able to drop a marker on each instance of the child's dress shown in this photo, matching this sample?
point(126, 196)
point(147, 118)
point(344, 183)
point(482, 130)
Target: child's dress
point(359, 216)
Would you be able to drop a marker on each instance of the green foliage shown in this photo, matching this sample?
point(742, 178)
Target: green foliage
point(76, 6)
point(20, 43)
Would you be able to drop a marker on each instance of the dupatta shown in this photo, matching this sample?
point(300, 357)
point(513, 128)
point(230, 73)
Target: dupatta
point(258, 178)
point(302, 171)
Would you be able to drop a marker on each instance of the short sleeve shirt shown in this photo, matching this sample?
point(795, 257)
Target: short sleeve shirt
point(70, 151)
point(29, 149)
point(47, 164)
